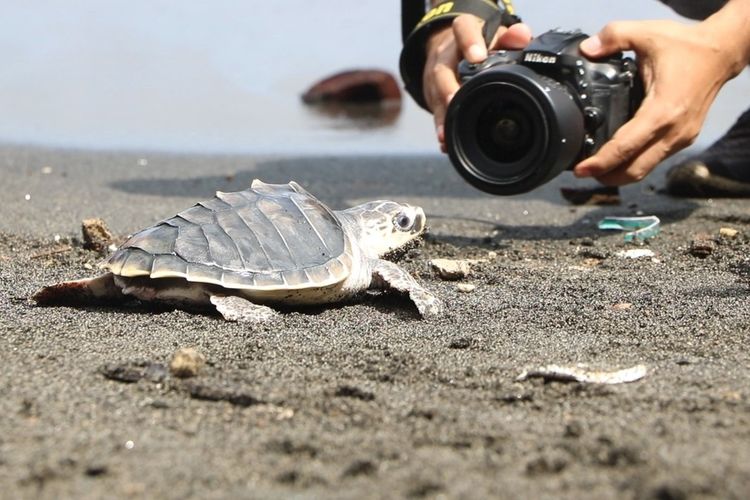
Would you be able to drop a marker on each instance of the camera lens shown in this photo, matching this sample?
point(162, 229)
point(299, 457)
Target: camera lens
point(504, 132)
point(509, 129)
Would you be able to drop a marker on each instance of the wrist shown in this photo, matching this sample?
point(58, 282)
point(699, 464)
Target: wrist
point(729, 32)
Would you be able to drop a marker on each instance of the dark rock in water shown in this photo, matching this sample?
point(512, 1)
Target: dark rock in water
point(354, 87)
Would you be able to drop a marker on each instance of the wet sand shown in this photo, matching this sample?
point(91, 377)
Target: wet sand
point(365, 399)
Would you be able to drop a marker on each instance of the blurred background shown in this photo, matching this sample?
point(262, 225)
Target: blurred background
point(226, 76)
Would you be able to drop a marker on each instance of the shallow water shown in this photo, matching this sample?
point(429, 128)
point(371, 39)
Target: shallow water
point(187, 76)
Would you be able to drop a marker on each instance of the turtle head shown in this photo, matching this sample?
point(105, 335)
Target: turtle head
point(381, 227)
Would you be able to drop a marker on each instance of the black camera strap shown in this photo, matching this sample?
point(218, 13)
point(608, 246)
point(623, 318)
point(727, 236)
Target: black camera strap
point(417, 30)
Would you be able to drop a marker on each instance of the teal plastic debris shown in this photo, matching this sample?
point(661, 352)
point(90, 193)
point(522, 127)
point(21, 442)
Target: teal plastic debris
point(639, 228)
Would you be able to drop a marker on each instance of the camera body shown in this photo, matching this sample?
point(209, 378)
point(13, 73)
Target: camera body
point(522, 117)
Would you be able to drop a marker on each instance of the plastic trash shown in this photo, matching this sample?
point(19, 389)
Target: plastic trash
point(639, 228)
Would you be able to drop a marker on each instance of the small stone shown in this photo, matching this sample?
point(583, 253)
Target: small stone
point(728, 232)
point(46, 170)
point(186, 362)
point(573, 429)
point(209, 392)
point(96, 235)
point(492, 254)
point(622, 306)
point(465, 287)
point(461, 343)
point(360, 468)
point(96, 469)
point(702, 247)
point(350, 391)
point(133, 371)
point(600, 195)
point(450, 269)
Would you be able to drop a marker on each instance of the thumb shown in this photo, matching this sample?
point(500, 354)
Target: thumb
point(615, 37)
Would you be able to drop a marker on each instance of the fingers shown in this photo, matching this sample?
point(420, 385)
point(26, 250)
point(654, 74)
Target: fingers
point(516, 37)
point(444, 85)
point(615, 37)
point(638, 169)
point(638, 146)
point(624, 146)
point(468, 32)
point(440, 81)
point(464, 40)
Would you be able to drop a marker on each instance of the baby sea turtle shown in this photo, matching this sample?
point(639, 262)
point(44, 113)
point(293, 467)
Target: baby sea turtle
point(272, 244)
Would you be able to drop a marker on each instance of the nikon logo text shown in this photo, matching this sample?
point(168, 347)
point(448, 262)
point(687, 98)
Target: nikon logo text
point(535, 57)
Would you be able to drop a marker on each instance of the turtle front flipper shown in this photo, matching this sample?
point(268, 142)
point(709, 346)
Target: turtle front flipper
point(386, 274)
point(101, 289)
point(234, 308)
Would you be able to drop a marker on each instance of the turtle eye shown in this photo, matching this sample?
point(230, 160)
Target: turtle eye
point(403, 222)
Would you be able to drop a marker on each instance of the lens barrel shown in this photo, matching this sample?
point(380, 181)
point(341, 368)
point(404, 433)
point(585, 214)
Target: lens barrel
point(509, 129)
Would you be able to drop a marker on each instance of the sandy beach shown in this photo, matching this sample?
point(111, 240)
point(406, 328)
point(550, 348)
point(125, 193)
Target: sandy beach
point(365, 399)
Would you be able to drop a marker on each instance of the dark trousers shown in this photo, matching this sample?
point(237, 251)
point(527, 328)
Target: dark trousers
point(695, 9)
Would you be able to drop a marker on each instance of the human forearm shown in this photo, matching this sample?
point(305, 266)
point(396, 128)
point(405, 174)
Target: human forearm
point(729, 29)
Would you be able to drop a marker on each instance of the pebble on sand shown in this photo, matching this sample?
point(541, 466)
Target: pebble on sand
point(465, 287)
point(96, 235)
point(186, 362)
point(728, 232)
point(451, 269)
point(702, 246)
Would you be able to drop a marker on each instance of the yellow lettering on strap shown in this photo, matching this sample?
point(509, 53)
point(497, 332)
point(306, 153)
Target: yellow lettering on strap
point(441, 9)
point(509, 6)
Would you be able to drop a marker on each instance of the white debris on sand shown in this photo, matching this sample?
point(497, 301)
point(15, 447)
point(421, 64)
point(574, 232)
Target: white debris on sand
point(584, 374)
point(636, 253)
point(453, 269)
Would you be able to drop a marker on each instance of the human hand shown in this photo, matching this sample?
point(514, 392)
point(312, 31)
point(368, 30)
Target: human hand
point(683, 67)
point(445, 49)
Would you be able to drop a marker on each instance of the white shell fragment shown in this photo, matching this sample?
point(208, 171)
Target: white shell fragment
point(451, 269)
point(585, 375)
point(636, 253)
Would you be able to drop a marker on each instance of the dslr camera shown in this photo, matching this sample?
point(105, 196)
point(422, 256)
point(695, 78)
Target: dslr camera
point(521, 117)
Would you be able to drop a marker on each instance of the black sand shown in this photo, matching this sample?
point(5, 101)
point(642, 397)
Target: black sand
point(365, 399)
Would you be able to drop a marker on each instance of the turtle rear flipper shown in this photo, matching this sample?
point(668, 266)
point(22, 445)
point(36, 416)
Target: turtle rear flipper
point(386, 274)
point(101, 289)
point(234, 308)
